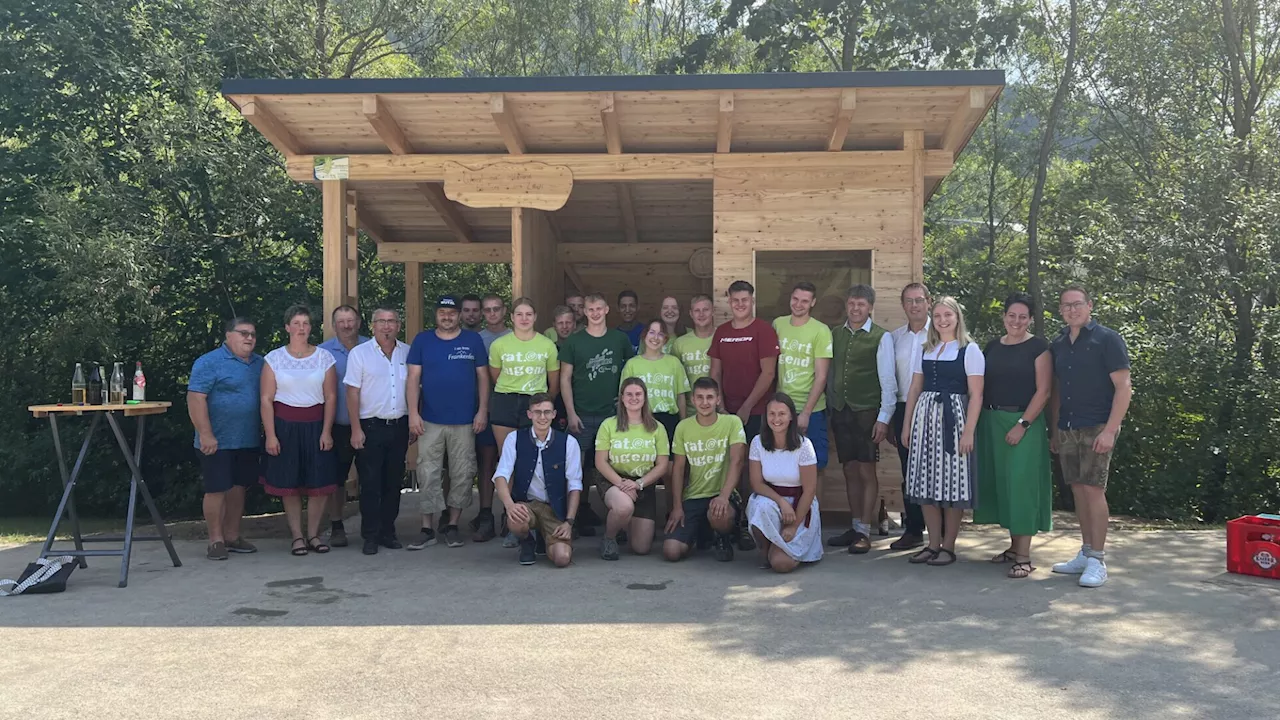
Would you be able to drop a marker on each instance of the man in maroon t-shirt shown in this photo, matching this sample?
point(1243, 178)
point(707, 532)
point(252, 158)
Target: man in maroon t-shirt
point(744, 361)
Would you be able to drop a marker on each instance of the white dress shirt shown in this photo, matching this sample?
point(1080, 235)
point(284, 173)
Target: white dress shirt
point(905, 345)
point(538, 486)
point(381, 379)
point(885, 369)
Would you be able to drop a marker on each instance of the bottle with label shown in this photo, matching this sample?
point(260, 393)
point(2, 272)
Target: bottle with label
point(79, 388)
point(94, 395)
point(116, 395)
point(139, 384)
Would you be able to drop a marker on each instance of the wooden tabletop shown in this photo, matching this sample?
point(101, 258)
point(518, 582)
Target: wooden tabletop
point(143, 408)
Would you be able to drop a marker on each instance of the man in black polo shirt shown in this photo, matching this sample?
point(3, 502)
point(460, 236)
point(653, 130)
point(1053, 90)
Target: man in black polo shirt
point(1091, 394)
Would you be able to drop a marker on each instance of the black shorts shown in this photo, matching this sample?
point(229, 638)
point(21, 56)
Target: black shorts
point(226, 469)
point(510, 410)
point(696, 522)
point(669, 421)
point(752, 427)
point(343, 451)
point(852, 431)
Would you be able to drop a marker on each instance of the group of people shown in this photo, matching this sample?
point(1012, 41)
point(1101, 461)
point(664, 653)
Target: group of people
point(732, 420)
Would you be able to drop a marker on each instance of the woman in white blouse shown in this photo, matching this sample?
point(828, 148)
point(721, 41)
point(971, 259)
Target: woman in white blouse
point(298, 400)
point(939, 428)
point(783, 511)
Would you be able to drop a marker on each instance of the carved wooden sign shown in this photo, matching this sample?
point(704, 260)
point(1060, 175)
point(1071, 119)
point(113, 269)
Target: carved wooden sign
point(506, 184)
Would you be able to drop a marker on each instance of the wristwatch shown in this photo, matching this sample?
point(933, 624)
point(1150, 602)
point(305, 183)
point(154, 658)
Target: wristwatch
point(640, 483)
point(570, 520)
point(1023, 422)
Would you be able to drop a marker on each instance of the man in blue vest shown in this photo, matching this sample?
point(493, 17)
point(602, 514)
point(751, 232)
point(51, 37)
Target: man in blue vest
point(539, 480)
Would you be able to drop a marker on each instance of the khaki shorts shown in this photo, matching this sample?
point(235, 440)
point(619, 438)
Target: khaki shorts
point(458, 443)
point(1080, 464)
point(544, 520)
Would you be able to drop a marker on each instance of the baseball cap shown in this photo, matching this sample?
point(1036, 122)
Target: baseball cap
point(448, 301)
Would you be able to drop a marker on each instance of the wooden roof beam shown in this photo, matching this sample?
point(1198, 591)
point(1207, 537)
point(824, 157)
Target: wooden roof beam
point(724, 123)
point(968, 113)
point(609, 120)
point(506, 122)
point(844, 116)
point(570, 253)
point(271, 128)
point(572, 273)
point(384, 123)
point(444, 252)
point(448, 211)
point(628, 212)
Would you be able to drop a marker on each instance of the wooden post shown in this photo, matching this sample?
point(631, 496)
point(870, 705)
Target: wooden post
point(351, 246)
point(535, 263)
point(334, 249)
point(913, 142)
point(412, 300)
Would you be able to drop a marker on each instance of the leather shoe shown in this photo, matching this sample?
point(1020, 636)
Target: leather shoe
point(861, 544)
point(370, 547)
point(390, 543)
point(908, 541)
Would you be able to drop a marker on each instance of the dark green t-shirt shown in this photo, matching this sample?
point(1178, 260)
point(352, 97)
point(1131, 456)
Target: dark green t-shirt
point(597, 368)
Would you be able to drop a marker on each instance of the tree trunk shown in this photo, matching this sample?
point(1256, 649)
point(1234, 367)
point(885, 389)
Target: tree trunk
point(1042, 169)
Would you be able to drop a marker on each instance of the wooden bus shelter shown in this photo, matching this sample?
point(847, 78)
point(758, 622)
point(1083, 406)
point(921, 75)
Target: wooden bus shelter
point(667, 185)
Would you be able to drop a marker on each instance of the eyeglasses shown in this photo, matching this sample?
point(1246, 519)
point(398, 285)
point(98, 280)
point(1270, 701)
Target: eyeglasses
point(1077, 305)
point(543, 413)
point(246, 334)
point(386, 321)
point(915, 301)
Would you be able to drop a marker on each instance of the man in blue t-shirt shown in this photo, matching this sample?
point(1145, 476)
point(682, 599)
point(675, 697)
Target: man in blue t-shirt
point(448, 397)
point(222, 400)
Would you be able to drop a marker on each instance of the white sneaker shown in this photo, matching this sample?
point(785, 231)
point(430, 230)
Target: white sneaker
point(1094, 575)
point(1074, 566)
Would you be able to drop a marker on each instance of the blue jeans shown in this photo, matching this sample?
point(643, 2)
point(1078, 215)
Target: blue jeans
point(817, 434)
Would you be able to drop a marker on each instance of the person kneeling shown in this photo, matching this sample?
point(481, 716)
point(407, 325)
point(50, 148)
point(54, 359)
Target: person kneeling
point(539, 481)
point(711, 446)
point(783, 512)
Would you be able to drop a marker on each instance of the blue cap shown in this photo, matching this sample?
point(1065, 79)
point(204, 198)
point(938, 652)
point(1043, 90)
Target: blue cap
point(447, 301)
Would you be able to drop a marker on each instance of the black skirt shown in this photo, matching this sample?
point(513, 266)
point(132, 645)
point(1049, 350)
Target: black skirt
point(301, 468)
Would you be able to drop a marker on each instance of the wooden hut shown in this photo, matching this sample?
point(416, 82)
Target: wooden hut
point(666, 185)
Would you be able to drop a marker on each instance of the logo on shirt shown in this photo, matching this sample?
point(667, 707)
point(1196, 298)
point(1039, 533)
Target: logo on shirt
point(603, 362)
point(737, 339)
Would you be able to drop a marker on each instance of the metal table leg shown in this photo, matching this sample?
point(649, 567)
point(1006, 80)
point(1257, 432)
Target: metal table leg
point(138, 484)
point(68, 488)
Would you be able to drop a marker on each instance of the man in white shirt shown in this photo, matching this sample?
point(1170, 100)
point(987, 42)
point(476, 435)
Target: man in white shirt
point(863, 391)
point(376, 402)
point(539, 481)
point(906, 339)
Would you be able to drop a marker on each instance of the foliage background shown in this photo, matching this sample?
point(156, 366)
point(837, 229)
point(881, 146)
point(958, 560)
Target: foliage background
point(137, 209)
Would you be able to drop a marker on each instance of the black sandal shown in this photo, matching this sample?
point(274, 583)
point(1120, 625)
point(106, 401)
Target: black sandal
point(298, 551)
point(924, 556)
point(1007, 556)
point(1021, 570)
point(316, 545)
point(934, 560)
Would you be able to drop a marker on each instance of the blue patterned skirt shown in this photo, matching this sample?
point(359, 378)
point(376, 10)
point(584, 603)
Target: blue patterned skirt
point(936, 473)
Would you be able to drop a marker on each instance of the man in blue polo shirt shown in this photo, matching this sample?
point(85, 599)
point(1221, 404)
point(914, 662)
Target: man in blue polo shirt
point(346, 327)
point(448, 396)
point(1091, 393)
point(222, 400)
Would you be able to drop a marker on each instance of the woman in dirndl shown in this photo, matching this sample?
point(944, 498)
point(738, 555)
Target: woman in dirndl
point(783, 511)
point(298, 400)
point(1014, 476)
point(940, 427)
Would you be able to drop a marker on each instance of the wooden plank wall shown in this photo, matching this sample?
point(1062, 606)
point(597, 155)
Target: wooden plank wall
point(818, 206)
point(535, 269)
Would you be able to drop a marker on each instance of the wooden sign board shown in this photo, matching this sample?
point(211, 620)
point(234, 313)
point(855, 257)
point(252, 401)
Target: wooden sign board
point(504, 184)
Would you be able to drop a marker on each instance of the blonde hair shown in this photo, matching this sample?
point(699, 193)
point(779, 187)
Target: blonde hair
point(962, 335)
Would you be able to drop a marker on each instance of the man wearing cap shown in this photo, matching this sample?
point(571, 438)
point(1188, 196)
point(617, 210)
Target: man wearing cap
point(448, 398)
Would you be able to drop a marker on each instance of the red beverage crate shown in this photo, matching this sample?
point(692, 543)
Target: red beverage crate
point(1253, 546)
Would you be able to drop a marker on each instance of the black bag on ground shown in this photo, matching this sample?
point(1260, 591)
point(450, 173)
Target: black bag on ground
point(52, 578)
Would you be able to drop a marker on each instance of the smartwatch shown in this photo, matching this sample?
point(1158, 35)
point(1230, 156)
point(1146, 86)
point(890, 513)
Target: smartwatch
point(1023, 422)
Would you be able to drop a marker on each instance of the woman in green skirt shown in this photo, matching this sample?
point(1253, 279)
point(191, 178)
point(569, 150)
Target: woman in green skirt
point(1015, 486)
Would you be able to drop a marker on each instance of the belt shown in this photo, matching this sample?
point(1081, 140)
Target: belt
point(1007, 408)
point(384, 421)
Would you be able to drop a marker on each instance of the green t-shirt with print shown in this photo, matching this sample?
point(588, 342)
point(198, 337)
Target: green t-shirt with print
point(597, 369)
point(665, 378)
point(524, 363)
point(634, 452)
point(706, 450)
point(692, 351)
point(799, 349)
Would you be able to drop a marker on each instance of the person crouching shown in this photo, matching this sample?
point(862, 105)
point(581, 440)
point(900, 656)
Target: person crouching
point(538, 481)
